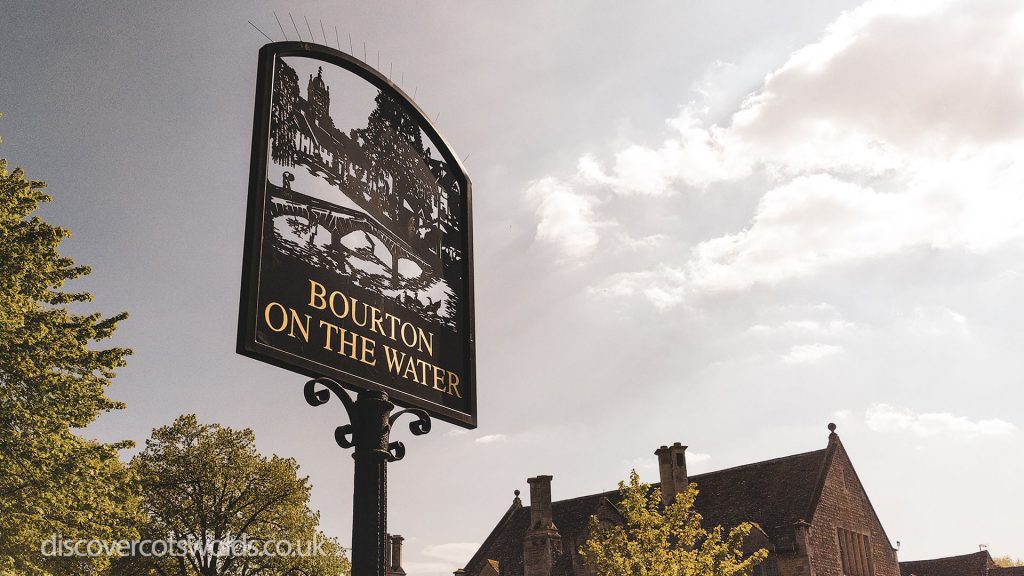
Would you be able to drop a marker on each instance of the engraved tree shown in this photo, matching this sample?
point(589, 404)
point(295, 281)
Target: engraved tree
point(394, 145)
point(282, 127)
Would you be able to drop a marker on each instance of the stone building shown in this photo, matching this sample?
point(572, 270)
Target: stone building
point(977, 564)
point(810, 511)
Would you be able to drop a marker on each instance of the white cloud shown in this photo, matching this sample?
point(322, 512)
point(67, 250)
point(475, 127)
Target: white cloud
point(697, 457)
point(694, 156)
point(937, 321)
point(797, 327)
point(664, 287)
point(810, 353)
point(886, 418)
point(815, 221)
point(567, 215)
point(895, 132)
point(456, 432)
point(566, 219)
point(842, 415)
point(642, 464)
point(491, 439)
point(807, 223)
point(624, 240)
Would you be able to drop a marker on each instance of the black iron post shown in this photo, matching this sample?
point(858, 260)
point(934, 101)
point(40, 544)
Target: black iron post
point(370, 494)
point(369, 433)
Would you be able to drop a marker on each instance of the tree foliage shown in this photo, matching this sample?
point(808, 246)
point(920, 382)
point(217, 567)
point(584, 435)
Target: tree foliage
point(656, 540)
point(52, 382)
point(208, 486)
point(1008, 561)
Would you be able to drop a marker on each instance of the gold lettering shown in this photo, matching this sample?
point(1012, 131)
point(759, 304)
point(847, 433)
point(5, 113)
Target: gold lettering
point(410, 367)
point(303, 327)
point(317, 292)
point(345, 342)
point(354, 306)
point(412, 330)
point(330, 329)
point(376, 322)
point(368, 346)
point(392, 318)
point(393, 359)
point(428, 341)
point(423, 371)
point(453, 384)
point(438, 378)
point(284, 317)
point(333, 310)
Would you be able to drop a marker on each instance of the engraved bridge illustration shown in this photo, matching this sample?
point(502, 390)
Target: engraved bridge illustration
point(340, 222)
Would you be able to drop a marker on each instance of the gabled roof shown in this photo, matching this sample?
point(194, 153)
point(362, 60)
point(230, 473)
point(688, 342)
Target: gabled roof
point(976, 564)
point(505, 543)
point(775, 494)
point(500, 537)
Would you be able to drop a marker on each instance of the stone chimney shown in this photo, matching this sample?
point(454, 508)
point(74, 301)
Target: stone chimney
point(802, 537)
point(672, 466)
point(540, 502)
point(542, 544)
point(393, 556)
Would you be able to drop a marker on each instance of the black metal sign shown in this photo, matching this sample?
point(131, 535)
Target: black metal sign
point(358, 256)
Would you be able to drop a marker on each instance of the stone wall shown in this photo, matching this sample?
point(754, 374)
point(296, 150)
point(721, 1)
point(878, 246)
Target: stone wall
point(844, 504)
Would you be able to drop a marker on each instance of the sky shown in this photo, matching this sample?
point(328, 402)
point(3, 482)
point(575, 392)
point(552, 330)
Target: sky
point(720, 223)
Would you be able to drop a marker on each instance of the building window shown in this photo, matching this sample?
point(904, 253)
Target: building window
point(855, 552)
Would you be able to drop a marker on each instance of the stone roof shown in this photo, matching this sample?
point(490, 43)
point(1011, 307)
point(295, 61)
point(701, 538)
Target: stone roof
point(775, 494)
point(976, 564)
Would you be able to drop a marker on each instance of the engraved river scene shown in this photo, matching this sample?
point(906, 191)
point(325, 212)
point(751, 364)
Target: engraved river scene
point(357, 191)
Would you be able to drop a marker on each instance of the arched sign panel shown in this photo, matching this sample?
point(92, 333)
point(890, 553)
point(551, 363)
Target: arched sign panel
point(358, 258)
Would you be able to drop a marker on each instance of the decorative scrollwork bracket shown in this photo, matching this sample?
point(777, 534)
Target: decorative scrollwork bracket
point(418, 427)
point(370, 419)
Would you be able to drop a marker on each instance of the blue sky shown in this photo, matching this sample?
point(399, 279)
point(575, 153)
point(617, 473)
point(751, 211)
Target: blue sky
point(724, 224)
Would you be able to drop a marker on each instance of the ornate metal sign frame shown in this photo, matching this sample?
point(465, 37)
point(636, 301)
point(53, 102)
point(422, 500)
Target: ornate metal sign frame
point(247, 343)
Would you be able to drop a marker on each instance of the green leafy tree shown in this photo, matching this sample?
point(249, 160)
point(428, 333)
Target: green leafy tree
point(52, 382)
point(658, 540)
point(207, 486)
